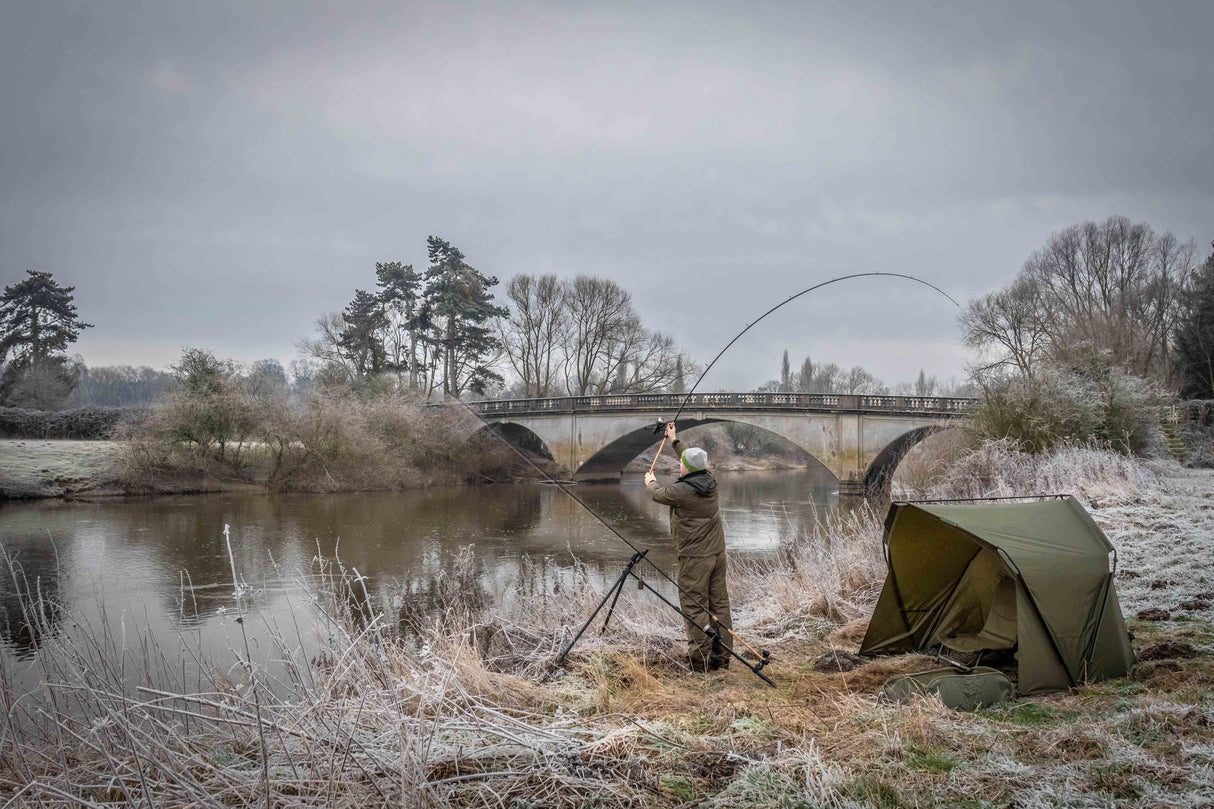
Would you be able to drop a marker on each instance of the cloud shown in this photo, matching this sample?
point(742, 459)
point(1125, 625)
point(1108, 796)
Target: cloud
point(222, 173)
point(165, 77)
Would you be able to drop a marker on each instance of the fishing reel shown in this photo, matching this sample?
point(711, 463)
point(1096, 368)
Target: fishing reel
point(660, 427)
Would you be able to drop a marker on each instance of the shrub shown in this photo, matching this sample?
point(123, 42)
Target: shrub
point(1199, 443)
point(86, 423)
point(334, 441)
point(1096, 404)
point(1002, 469)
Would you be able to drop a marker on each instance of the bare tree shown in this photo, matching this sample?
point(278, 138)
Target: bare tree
point(826, 378)
point(644, 361)
point(532, 332)
point(326, 348)
point(1161, 305)
point(1012, 323)
point(599, 311)
point(858, 381)
point(586, 331)
point(1111, 288)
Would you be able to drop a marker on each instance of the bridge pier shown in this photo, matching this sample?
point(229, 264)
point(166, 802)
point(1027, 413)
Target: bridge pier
point(851, 491)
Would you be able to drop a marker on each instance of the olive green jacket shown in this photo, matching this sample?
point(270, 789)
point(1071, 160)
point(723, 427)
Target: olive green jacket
point(695, 520)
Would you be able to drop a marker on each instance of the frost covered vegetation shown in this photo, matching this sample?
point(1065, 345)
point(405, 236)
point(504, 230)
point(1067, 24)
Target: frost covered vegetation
point(455, 710)
point(220, 423)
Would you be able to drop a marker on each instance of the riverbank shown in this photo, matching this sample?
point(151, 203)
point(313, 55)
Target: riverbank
point(467, 719)
point(40, 469)
point(32, 469)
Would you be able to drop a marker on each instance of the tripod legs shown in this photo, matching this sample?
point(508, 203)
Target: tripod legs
point(613, 594)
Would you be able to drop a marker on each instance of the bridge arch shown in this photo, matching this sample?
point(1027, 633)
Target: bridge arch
point(516, 435)
point(608, 462)
point(879, 476)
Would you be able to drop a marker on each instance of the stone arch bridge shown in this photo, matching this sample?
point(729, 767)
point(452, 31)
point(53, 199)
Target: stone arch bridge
point(860, 439)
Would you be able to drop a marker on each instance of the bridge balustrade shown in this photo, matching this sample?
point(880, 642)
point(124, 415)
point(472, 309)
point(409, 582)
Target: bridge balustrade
point(669, 402)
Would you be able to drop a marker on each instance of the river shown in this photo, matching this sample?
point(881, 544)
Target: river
point(161, 565)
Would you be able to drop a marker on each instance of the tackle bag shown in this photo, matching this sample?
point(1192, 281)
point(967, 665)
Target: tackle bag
point(967, 691)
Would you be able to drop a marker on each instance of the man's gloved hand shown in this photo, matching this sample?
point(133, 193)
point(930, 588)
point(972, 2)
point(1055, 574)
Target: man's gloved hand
point(649, 476)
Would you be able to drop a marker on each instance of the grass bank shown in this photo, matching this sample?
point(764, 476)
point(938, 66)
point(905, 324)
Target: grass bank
point(35, 468)
point(328, 444)
point(461, 715)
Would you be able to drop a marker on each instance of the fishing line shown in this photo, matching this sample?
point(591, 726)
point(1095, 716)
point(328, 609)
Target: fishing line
point(792, 298)
point(638, 554)
point(642, 555)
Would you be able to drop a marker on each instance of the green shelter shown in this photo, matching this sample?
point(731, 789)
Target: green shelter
point(1034, 577)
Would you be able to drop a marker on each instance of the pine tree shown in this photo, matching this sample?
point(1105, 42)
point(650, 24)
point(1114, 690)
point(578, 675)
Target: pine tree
point(462, 306)
point(1194, 339)
point(361, 336)
point(407, 317)
point(38, 321)
point(805, 379)
point(785, 374)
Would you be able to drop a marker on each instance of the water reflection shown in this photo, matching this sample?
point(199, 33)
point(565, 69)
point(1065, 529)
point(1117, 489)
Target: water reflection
point(165, 559)
point(29, 595)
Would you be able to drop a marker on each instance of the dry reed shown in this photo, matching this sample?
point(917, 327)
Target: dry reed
point(449, 706)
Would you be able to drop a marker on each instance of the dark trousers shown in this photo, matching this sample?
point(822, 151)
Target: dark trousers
point(704, 578)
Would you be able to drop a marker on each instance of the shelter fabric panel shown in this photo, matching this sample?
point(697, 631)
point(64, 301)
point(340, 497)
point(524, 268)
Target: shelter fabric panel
point(887, 633)
point(1112, 655)
point(1039, 667)
point(971, 599)
point(993, 590)
point(927, 559)
point(1062, 558)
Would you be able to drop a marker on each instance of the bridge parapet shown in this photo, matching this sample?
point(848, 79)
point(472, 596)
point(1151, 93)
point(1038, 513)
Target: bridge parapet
point(669, 402)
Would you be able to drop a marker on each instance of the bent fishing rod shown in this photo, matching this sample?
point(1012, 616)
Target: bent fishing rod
point(789, 300)
point(639, 555)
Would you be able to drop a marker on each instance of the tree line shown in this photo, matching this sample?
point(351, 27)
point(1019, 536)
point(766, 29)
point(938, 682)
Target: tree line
point(443, 331)
point(428, 331)
point(829, 377)
point(581, 337)
point(1114, 292)
point(1112, 299)
point(1100, 331)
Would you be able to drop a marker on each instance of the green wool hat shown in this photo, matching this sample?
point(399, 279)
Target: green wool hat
point(695, 459)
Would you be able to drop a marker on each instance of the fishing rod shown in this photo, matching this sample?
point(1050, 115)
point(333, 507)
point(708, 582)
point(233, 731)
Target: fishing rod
point(792, 298)
point(638, 554)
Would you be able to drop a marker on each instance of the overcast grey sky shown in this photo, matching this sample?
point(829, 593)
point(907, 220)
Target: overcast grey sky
point(218, 174)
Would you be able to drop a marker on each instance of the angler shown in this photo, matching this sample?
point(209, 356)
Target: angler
point(703, 620)
point(699, 538)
